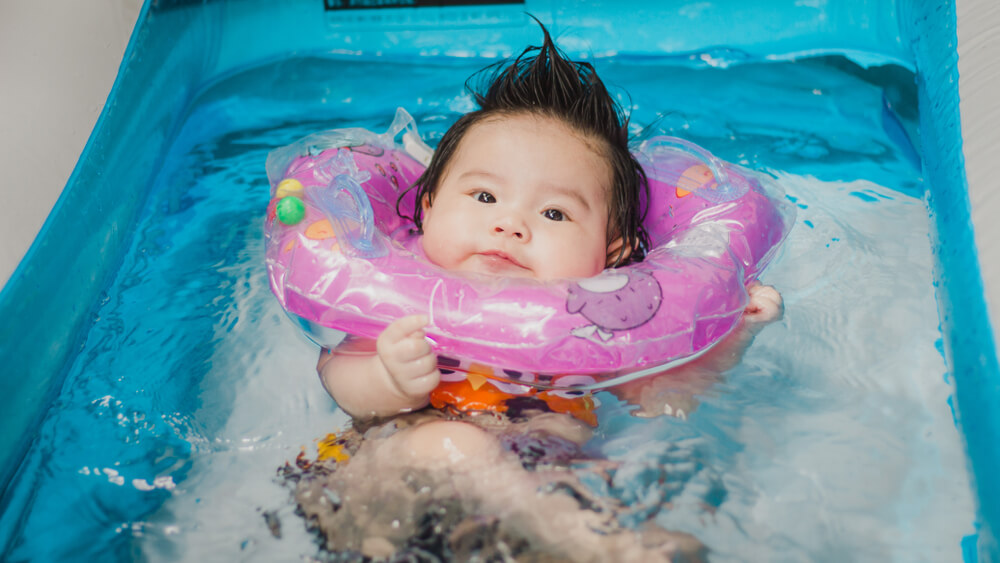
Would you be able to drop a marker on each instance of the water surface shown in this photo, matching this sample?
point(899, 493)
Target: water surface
point(832, 441)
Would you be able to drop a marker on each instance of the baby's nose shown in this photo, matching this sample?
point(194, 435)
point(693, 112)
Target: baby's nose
point(511, 227)
point(513, 232)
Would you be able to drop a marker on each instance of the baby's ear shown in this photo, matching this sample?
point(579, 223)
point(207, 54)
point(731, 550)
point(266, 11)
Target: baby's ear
point(613, 249)
point(425, 202)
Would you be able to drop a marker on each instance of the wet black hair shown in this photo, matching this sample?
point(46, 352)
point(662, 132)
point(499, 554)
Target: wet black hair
point(542, 81)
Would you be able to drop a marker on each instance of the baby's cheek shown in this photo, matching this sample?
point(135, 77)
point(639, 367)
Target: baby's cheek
point(576, 263)
point(434, 250)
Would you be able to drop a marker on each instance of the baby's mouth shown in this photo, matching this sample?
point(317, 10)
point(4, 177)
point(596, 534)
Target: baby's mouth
point(498, 261)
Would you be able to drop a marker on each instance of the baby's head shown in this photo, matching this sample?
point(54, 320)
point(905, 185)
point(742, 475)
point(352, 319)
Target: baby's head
point(539, 182)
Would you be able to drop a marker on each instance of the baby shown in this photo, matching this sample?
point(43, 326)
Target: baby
point(538, 183)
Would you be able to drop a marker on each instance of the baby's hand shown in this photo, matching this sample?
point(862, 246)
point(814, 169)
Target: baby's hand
point(765, 305)
point(408, 358)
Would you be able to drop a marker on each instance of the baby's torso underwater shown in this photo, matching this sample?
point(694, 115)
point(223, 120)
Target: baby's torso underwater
point(470, 387)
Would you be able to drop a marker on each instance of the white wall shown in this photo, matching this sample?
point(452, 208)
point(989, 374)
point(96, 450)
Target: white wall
point(978, 87)
point(58, 60)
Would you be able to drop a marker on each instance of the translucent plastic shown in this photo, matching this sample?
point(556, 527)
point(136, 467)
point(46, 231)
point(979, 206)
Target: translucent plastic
point(354, 265)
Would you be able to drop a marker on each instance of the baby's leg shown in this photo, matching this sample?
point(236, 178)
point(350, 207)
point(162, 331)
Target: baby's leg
point(454, 481)
point(449, 445)
point(399, 475)
point(544, 508)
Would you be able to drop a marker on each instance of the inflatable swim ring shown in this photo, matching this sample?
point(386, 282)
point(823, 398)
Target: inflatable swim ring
point(340, 259)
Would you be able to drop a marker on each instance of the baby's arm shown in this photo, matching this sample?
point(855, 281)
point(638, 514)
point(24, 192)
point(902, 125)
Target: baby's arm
point(765, 307)
point(674, 392)
point(395, 375)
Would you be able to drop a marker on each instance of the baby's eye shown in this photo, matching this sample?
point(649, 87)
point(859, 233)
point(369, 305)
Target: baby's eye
point(485, 197)
point(554, 215)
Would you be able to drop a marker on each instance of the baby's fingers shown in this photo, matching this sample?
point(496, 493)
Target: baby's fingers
point(404, 327)
point(412, 348)
point(421, 377)
point(765, 304)
point(403, 342)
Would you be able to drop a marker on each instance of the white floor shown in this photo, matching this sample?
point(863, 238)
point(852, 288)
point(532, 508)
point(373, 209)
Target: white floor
point(59, 59)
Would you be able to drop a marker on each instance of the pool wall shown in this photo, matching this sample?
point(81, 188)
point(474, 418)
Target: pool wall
point(178, 47)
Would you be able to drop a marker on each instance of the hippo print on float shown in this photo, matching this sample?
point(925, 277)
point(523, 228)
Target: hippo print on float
point(614, 301)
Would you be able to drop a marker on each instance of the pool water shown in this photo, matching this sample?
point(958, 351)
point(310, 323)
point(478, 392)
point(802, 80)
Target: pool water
point(833, 440)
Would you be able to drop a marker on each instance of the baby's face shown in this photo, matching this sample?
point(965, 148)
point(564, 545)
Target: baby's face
point(523, 196)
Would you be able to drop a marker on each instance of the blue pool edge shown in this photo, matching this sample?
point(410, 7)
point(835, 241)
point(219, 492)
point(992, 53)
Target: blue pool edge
point(38, 354)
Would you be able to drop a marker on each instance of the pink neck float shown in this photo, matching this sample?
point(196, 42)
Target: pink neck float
point(340, 257)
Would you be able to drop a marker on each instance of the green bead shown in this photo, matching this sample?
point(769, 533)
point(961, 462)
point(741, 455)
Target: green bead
point(291, 210)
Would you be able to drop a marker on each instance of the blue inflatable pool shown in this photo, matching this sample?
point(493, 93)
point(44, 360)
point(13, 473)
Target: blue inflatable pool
point(139, 327)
